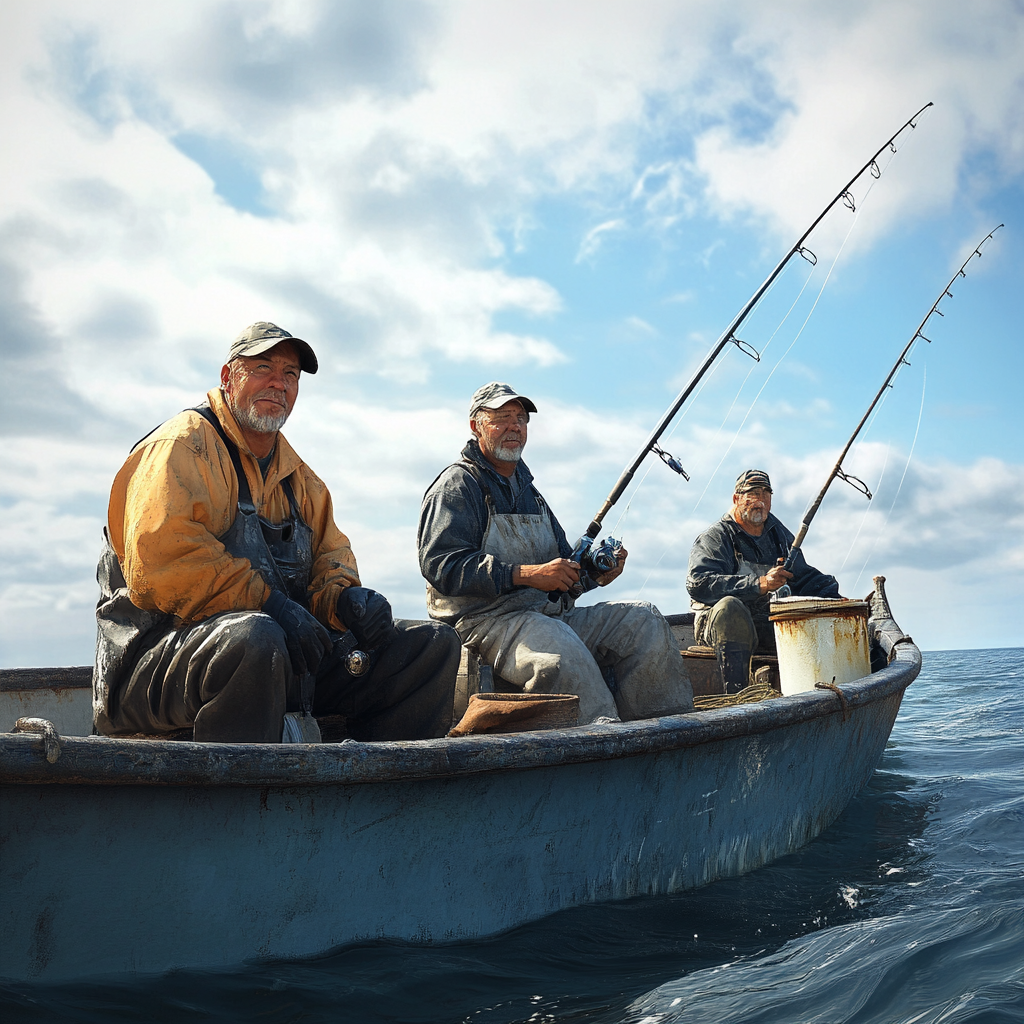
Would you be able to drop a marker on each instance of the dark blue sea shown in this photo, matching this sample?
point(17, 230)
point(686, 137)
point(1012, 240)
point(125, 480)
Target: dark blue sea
point(909, 910)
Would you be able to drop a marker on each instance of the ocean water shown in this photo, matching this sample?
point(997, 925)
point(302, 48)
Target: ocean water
point(909, 909)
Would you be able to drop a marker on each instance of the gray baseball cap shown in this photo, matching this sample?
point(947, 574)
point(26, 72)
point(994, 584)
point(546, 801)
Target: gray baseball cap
point(260, 337)
point(494, 396)
point(751, 478)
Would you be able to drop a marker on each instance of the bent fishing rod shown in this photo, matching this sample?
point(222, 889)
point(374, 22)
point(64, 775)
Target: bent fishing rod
point(837, 470)
point(845, 196)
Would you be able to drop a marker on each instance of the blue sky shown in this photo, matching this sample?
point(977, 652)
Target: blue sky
point(574, 198)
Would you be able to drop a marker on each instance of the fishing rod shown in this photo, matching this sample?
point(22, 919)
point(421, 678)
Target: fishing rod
point(837, 470)
point(602, 558)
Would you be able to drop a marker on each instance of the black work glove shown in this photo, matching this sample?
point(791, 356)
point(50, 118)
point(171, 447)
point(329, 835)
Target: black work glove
point(367, 615)
point(307, 638)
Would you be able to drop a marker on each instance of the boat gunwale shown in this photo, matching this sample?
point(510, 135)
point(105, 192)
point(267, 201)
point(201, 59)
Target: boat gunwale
point(100, 760)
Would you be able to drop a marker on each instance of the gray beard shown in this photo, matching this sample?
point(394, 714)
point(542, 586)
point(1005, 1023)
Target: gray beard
point(252, 420)
point(748, 517)
point(508, 454)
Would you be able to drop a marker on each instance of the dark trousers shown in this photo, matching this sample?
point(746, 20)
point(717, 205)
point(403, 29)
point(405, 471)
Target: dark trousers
point(730, 621)
point(409, 691)
point(229, 678)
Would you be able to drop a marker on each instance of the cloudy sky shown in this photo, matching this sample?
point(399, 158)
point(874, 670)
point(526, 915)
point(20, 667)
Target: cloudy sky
point(575, 197)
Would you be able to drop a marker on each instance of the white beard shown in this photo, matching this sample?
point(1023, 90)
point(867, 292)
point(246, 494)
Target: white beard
point(270, 423)
point(754, 517)
point(508, 454)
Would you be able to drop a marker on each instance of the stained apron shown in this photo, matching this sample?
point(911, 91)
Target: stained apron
point(619, 657)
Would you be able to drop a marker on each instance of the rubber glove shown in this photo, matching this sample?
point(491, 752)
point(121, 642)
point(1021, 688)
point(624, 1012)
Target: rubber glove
point(307, 638)
point(367, 615)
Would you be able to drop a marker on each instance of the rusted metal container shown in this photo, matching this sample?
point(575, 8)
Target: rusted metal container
point(820, 639)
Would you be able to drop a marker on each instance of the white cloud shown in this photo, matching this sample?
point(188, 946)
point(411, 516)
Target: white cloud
point(378, 461)
point(594, 238)
point(852, 75)
point(401, 153)
point(934, 537)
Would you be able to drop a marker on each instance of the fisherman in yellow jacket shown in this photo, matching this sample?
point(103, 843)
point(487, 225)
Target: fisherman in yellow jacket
point(229, 598)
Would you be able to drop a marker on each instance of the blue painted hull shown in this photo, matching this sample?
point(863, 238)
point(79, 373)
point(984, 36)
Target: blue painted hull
point(142, 856)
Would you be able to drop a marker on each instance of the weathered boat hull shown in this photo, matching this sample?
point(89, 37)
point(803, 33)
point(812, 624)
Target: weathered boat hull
point(194, 855)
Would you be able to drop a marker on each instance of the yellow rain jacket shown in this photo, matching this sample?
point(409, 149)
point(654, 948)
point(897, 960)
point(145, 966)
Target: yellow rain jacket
point(178, 493)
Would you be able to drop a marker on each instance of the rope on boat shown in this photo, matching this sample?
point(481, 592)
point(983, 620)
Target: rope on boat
point(839, 693)
point(752, 694)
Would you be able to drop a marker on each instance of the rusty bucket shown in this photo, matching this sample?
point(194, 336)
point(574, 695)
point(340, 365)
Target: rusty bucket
point(820, 639)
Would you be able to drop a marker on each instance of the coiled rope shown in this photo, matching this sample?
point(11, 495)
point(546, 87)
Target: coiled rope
point(753, 694)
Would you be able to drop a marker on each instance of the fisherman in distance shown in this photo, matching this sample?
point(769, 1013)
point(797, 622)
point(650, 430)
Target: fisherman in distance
point(734, 565)
point(492, 552)
point(227, 590)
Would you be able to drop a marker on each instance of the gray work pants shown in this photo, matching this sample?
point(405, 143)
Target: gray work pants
point(566, 654)
point(230, 679)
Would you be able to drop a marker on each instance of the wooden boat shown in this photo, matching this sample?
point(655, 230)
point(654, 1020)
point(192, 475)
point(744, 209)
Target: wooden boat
point(128, 855)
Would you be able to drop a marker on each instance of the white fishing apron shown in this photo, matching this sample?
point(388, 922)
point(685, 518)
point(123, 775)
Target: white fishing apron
point(515, 538)
point(618, 657)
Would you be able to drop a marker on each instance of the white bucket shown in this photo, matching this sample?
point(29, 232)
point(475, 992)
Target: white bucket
point(819, 639)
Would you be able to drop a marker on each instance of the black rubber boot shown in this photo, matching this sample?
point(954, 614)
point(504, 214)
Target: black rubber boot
point(734, 665)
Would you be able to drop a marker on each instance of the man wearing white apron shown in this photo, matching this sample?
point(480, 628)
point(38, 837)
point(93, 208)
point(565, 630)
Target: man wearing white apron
point(492, 552)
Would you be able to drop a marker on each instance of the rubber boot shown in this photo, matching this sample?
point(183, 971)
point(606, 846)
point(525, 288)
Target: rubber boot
point(734, 665)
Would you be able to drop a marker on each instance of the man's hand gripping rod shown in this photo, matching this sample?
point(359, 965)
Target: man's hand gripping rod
point(729, 335)
point(596, 560)
point(837, 469)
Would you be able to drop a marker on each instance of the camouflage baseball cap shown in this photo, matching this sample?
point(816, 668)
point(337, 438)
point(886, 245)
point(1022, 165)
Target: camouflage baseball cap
point(751, 478)
point(261, 336)
point(494, 396)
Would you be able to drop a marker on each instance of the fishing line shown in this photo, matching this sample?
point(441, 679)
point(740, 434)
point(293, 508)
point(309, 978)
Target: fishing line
point(837, 469)
point(703, 384)
point(582, 549)
point(867, 509)
point(729, 336)
point(782, 358)
point(885, 522)
point(824, 284)
point(750, 409)
point(856, 217)
point(881, 476)
point(743, 383)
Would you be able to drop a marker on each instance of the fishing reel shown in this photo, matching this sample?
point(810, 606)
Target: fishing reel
point(355, 661)
point(594, 559)
point(597, 559)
